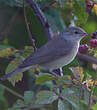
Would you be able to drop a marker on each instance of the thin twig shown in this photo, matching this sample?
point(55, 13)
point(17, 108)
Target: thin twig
point(48, 5)
point(91, 92)
point(42, 18)
point(13, 92)
point(28, 29)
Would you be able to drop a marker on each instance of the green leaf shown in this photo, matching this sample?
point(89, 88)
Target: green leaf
point(66, 79)
point(12, 2)
point(20, 102)
point(28, 96)
point(7, 52)
point(83, 105)
point(69, 96)
point(80, 12)
point(77, 72)
point(1, 89)
point(5, 46)
point(55, 18)
point(73, 101)
point(67, 92)
point(95, 107)
point(62, 105)
point(46, 97)
point(28, 51)
point(14, 108)
point(44, 78)
point(13, 65)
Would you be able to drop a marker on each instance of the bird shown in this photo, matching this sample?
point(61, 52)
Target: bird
point(56, 53)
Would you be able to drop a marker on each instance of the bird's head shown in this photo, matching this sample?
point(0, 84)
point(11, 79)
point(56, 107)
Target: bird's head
point(74, 33)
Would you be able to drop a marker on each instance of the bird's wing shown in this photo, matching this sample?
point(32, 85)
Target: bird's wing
point(54, 49)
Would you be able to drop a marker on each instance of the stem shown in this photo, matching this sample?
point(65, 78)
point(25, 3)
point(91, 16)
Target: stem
point(13, 92)
point(48, 5)
point(89, 104)
point(42, 18)
point(28, 29)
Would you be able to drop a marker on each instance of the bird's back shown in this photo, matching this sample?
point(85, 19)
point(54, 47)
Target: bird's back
point(55, 49)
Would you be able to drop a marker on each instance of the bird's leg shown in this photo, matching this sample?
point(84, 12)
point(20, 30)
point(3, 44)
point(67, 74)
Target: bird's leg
point(61, 71)
point(53, 73)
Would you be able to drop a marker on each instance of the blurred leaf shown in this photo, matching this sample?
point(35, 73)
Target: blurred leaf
point(13, 65)
point(14, 108)
point(67, 92)
point(95, 7)
point(95, 107)
point(73, 101)
point(3, 101)
point(70, 97)
point(61, 2)
point(20, 102)
point(28, 96)
point(74, 63)
point(55, 19)
point(7, 52)
point(12, 2)
point(5, 46)
point(86, 95)
point(1, 89)
point(64, 80)
point(62, 105)
point(80, 12)
point(95, 90)
point(36, 27)
point(28, 50)
point(46, 97)
point(77, 72)
point(44, 78)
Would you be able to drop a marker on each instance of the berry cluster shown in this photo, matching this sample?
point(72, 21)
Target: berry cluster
point(83, 48)
point(93, 44)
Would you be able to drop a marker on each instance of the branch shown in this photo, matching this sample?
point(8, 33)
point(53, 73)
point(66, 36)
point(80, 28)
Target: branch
point(41, 17)
point(28, 30)
point(13, 92)
point(87, 58)
point(48, 5)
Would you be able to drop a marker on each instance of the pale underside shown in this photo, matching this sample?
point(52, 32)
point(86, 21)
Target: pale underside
point(53, 54)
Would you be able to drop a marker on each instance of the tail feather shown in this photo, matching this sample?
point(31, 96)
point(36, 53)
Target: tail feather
point(10, 74)
point(5, 77)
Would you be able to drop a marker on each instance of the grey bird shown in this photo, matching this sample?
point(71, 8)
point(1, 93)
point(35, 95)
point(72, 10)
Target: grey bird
point(56, 53)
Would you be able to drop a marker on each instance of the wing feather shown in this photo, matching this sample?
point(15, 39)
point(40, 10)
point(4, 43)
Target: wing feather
point(51, 51)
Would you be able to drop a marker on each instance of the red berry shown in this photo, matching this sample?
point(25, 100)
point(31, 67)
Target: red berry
point(93, 43)
point(83, 48)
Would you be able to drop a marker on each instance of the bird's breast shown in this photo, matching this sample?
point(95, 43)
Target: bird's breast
point(64, 60)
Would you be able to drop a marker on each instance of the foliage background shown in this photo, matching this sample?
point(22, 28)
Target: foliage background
point(14, 37)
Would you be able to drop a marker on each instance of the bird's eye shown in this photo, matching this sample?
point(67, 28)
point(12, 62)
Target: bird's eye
point(76, 32)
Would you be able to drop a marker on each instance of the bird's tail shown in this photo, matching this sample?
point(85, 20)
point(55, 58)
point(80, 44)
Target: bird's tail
point(11, 74)
point(14, 72)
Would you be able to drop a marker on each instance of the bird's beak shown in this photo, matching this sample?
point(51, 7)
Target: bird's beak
point(86, 34)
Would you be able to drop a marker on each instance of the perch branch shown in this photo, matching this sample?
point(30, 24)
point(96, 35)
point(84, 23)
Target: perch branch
point(87, 58)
